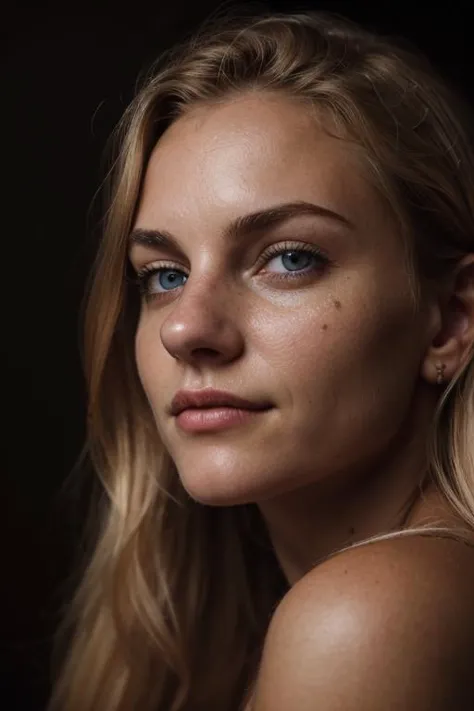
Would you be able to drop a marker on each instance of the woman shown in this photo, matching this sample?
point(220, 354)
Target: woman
point(291, 222)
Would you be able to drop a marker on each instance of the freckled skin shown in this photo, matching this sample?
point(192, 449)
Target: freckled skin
point(341, 379)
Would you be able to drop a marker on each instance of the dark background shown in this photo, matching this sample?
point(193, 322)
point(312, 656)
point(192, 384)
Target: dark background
point(67, 73)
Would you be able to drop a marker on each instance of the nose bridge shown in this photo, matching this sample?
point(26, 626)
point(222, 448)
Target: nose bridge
point(208, 286)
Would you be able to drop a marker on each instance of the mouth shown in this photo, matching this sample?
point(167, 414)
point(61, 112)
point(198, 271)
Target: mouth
point(211, 399)
point(217, 418)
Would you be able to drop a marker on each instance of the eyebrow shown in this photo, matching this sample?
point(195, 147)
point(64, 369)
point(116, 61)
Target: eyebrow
point(242, 225)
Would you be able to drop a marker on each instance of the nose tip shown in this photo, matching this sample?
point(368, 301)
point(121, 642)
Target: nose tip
point(203, 330)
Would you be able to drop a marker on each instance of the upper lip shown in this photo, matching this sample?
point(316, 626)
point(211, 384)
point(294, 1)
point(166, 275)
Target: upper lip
point(185, 399)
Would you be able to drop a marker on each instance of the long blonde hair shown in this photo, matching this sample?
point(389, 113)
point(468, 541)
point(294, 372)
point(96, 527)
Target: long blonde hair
point(174, 604)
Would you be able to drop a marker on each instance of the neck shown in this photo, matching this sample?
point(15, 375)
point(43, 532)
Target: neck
point(308, 524)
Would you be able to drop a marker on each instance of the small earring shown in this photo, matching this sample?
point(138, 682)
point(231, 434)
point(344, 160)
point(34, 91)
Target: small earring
point(440, 368)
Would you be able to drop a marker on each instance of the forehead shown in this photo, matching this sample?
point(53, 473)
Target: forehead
point(220, 160)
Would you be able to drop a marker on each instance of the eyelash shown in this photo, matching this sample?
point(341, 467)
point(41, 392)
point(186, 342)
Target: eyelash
point(144, 275)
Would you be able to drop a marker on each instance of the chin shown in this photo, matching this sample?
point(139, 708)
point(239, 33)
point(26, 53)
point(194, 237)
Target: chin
point(213, 488)
point(232, 490)
point(218, 496)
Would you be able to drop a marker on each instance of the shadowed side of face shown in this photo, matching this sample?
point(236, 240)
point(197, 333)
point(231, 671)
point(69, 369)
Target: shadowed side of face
point(307, 309)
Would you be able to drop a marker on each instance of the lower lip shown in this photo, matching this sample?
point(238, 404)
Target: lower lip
point(218, 418)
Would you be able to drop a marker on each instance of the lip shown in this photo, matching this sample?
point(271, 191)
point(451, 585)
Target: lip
point(209, 398)
point(215, 419)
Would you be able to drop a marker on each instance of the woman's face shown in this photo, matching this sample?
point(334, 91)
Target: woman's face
point(332, 342)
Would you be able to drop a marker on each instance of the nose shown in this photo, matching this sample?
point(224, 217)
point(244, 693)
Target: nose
point(203, 326)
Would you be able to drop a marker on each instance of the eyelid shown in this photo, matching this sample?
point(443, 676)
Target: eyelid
point(278, 248)
point(156, 264)
point(271, 249)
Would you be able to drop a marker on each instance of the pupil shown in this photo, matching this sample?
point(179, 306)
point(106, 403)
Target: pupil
point(294, 256)
point(168, 278)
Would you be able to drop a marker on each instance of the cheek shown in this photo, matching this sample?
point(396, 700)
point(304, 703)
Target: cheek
point(309, 340)
point(146, 358)
point(349, 351)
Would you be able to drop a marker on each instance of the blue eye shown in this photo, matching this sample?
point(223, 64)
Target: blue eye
point(295, 260)
point(165, 278)
point(299, 260)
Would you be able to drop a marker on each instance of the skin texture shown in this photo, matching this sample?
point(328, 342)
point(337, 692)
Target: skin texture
point(385, 627)
point(349, 366)
point(341, 353)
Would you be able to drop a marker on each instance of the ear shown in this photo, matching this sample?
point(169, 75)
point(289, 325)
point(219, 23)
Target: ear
point(453, 341)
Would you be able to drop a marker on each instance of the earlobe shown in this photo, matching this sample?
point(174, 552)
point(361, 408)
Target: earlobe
point(440, 368)
point(453, 343)
point(436, 371)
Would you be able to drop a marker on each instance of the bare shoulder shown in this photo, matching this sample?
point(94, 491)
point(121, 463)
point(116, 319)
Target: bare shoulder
point(387, 626)
point(415, 565)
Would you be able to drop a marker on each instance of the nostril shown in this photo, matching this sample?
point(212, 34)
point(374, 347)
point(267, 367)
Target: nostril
point(206, 352)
